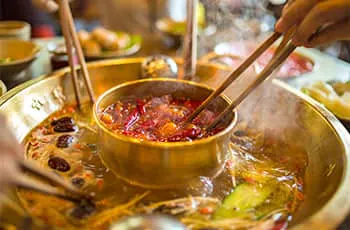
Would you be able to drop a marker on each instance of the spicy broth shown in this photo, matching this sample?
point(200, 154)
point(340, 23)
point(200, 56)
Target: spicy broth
point(261, 186)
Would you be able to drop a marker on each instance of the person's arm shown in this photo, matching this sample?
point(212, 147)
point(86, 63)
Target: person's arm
point(317, 22)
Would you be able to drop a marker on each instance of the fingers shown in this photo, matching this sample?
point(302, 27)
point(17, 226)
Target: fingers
point(46, 5)
point(8, 142)
point(323, 14)
point(8, 169)
point(335, 32)
point(294, 14)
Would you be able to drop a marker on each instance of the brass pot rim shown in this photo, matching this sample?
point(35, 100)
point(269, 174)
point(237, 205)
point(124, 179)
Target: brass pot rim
point(164, 145)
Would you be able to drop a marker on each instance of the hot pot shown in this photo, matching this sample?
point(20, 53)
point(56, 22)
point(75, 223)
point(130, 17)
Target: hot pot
point(286, 114)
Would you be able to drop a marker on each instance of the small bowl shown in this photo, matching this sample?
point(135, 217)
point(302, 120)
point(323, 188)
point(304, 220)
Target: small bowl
point(23, 53)
point(157, 164)
point(15, 30)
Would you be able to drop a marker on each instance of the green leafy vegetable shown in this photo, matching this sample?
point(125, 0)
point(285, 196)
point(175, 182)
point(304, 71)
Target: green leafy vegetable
point(244, 198)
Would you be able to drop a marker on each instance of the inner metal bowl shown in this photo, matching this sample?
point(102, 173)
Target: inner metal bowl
point(157, 164)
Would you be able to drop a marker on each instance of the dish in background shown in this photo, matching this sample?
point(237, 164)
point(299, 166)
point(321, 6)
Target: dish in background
point(174, 31)
point(296, 65)
point(102, 43)
point(334, 95)
point(175, 27)
point(15, 30)
point(21, 53)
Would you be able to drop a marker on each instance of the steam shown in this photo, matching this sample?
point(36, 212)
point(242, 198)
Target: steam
point(236, 20)
point(245, 23)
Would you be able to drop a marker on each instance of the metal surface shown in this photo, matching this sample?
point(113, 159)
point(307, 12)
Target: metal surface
point(159, 66)
point(152, 222)
point(289, 113)
point(139, 162)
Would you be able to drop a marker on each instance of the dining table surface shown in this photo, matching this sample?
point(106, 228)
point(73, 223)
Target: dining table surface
point(42, 66)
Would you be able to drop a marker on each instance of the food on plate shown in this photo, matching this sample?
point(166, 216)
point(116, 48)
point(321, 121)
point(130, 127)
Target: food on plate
point(83, 37)
point(260, 187)
point(295, 65)
point(92, 48)
point(158, 119)
point(101, 40)
point(334, 95)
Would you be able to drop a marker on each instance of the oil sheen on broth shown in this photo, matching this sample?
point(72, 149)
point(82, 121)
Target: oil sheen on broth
point(260, 188)
point(157, 119)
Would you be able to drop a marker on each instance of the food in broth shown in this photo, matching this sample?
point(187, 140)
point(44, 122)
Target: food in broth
point(158, 119)
point(261, 186)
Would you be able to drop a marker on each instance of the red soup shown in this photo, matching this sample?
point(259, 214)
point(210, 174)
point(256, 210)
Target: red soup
point(158, 119)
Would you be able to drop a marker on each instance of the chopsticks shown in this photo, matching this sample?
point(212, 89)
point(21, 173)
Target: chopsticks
point(23, 181)
point(190, 42)
point(73, 45)
point(281, 54)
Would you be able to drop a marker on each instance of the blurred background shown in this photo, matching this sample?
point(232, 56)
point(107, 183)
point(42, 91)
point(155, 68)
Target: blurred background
point(222, 20)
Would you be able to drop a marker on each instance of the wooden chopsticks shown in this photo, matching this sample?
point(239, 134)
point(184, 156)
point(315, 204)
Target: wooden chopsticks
point(21, 180)
point(69, 192)
point(281, 54)
point(190, 42)
point(235, 74)
point(73, 46)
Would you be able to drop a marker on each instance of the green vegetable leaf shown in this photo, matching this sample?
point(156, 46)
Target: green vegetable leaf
point(244, 198)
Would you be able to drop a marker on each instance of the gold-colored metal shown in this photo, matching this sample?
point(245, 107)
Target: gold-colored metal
point(301, 121)
point(157, 164)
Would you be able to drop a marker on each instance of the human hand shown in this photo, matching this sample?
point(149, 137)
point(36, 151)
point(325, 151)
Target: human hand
point(319, 22)
point(10, 152)
point(46, 5)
